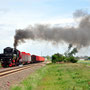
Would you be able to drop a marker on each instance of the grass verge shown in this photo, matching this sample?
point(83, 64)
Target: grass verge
point(86, 62)
point(58, 77)
point(32, 81)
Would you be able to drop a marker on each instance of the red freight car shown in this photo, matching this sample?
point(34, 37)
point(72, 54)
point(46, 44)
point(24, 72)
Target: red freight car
point(26, 57)
point(35, 58)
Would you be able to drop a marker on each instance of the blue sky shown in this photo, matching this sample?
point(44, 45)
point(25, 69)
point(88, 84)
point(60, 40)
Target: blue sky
point(31, 11)
point(16, 14)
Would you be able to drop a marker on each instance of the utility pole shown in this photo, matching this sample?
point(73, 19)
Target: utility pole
point(41, 53)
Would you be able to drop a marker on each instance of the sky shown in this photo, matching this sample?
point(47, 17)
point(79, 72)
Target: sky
point(19, 14)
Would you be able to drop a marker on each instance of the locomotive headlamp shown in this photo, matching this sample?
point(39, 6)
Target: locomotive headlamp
point(14, 55)
point(1, 60)
point(10, 59)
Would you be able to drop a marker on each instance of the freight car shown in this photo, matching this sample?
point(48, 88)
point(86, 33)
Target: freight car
point(26, 58)
point(36, 58)
point(13, 57)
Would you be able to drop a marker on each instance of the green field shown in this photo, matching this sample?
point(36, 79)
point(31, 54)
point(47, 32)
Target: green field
point(58, 77)
point(86, 62)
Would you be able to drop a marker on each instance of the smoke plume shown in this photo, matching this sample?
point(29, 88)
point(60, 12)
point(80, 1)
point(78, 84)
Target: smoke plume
point(80, 13)
point(78, 36)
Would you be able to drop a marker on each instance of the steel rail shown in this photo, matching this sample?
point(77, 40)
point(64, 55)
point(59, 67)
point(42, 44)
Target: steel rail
point(8, 72)
point(12, 68)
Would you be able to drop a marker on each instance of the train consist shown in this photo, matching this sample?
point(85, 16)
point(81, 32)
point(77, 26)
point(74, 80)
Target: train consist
point(13, 57)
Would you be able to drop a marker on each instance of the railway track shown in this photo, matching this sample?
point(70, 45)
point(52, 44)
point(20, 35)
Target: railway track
point(14, 70)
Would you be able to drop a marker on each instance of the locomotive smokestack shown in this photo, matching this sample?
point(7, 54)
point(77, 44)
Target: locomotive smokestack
point(15, 44)
point(79, 36)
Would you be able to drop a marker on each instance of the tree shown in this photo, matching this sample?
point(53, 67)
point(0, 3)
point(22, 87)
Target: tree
point(69, 56)
point(88, 58)
point(57, 58)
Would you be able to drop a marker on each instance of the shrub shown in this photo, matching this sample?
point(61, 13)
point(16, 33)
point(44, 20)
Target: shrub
point(59, 58)
point(72, 59)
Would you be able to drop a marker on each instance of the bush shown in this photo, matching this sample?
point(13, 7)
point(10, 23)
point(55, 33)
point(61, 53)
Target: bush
point(72, 59)
point(59, 58)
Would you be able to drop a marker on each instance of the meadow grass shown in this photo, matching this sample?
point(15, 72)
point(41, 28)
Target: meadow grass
point(86, 62)
point(58, 77)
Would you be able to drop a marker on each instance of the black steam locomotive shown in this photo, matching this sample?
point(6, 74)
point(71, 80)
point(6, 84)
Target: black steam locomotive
point(10, 57)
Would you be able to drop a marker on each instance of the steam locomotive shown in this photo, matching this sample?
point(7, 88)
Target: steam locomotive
point(13, 57)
